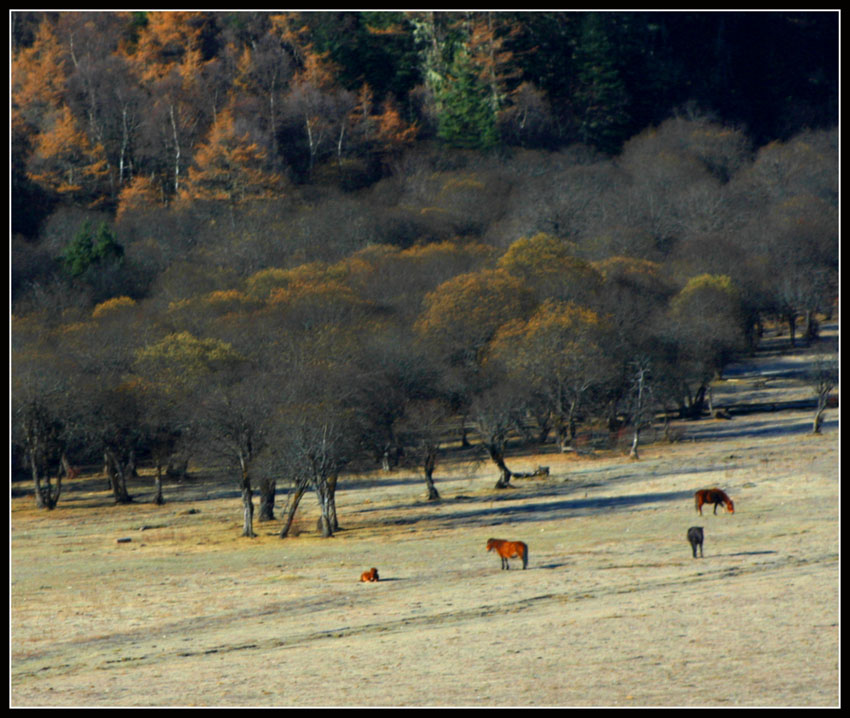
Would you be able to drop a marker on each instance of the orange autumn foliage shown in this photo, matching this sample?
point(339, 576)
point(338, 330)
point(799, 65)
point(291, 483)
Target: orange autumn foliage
point(169, 40)
point(65, 162)
point(38, 77)
point(140, 193)
point(230, 167)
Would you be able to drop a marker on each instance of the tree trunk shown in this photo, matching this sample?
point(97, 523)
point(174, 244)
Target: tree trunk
point(818, 421)
point(791, 318)
point(267, 497)
point(698, 402)
point(812, 326)
point(562, 434)
point(332, 481)
point(293, 502)
point(497, 455)
point(324, 488)
point(177, 469)
point(633, 453)
point(157, 499)
point(176, 151)
point(70, 471)
point(46, 495)
point(430, 463)
point(117, 472)
point(639, 408)
point(247, 503)
point(106, 471)
point(464, 438)
point(325, 522)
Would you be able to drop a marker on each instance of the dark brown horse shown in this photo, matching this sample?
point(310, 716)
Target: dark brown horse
point(713, 496)
point(509, 549)
point(695, 536)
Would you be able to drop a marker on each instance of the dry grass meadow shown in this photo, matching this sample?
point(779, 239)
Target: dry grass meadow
point(612, 611)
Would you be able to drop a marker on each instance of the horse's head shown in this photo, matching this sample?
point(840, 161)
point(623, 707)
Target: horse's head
point(730, 507)
point(491, 544)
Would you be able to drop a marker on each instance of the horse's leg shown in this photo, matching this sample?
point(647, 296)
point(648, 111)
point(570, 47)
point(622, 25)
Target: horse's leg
point(715, 509)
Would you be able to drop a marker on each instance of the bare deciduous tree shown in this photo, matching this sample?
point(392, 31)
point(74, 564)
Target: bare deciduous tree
point(823, 378)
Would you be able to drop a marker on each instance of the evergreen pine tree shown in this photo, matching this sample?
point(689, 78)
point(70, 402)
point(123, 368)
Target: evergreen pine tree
point(467, 119)
point(600, 99)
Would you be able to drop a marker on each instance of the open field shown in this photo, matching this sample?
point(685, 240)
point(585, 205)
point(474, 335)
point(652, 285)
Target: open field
point(613, 610)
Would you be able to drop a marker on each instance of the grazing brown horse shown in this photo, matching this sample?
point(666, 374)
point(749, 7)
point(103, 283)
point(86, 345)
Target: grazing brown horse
point(509, 549)
point(371, 575)
point(713, 496)
point(695, 536)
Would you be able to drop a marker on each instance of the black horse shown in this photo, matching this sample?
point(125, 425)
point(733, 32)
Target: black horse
point(695, 537)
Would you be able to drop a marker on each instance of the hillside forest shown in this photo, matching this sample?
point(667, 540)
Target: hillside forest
point(286, 247)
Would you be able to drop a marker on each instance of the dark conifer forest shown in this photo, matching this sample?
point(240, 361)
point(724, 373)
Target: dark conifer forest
point(287, 246)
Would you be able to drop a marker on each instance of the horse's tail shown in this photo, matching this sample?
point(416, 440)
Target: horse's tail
point(525, 555)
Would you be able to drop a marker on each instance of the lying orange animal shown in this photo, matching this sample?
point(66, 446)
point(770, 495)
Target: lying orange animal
point(370, 575)
point(509, 549)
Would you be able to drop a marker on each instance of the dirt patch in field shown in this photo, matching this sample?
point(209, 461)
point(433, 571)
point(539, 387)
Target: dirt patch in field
point(612, 611)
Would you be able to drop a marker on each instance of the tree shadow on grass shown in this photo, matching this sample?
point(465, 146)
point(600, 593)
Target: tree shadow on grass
point(540, 491)
point(543, 510)
point(768, 429)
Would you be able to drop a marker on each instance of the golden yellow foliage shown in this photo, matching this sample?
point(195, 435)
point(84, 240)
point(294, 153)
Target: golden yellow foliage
point(112, 306)
point(619, 266)
point(539, 253)
point(329, 292)
point(710, 298)
point(559, 350)
point(463, 313)
point(558, 325)
point(717, 283)
point(549, 267)
point(215, 304)
point(261, 284)
point(447, 249)
point(460, 184)
point(179, 359)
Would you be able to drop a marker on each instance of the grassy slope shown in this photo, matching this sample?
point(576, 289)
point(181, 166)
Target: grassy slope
point(612, 611)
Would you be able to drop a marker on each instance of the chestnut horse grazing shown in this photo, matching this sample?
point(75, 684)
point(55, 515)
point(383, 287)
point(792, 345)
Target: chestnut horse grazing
point(713, 496)
point(370, 575)
point(695, 536)
point(509, 549)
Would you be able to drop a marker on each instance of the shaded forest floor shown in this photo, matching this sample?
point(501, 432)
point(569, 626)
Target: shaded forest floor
point(613, 610)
